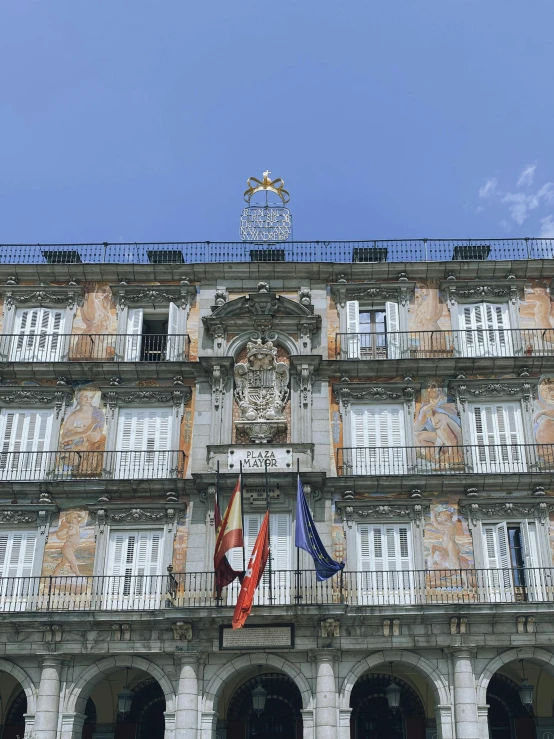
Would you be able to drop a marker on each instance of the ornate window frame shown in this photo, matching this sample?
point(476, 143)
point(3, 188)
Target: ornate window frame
point(491, 290)
point(127, 296)
point(67, 297)
point(28, 516)
point(386, 511)
point(374, 293)
point(110, 517)
point(387, 393)
point(514, 510)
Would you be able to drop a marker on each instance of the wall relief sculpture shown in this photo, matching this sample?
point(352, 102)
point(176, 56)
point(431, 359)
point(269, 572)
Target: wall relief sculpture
point(261, 392)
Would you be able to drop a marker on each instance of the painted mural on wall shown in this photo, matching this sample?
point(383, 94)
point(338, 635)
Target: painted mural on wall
point(543, 419)
point(333, 327)
point(447, 541)
point(84, 430)
point(428, 312)
point(180, 544)
point(71, 546)
point(536, 309)
point(438, 427)
point(93, 320)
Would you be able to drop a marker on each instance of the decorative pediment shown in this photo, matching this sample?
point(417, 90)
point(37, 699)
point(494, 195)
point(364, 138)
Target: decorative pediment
point(137, 296)
point(31, 396)
point(347, 392)
point(475, 291)
point(524, 388)
point(364, 511)
point(39, 516)
point(50, 296)
point(155, 513)
point(261, 311)
point(373, 292)
point(502, 510)
point(177, 395)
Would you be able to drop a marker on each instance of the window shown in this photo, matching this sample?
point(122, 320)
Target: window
point(152, 335)
point(25, 443)
point(386, 563)
point(373, 334)
point(497, 437)
point(378, 435)
point(134, 578)
point(38, 335)
point(511, 556)
point(484, 330)
point(17, 554)
point(144, 443)
point(281, 546)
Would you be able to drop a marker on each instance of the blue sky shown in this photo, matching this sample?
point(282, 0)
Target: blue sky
point(141, 121)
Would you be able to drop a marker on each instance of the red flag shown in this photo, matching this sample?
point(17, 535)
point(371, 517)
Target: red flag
point(229, 535)
point(253, 575)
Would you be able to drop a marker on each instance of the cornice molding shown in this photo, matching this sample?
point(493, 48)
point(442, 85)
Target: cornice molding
point(126, 295)
point(474, 291)
point(517, 388)
point(115, 513)
point(494, 509)
point(399, 292)
point(57, 296)
point(39, 515)
point(347, 392)
point(177, 395)
point(363, 511)
point(58, 396)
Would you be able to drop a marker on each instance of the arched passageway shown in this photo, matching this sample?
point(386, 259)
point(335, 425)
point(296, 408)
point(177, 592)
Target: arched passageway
point(280, 717)
point(373, 718)
point(13, 722)
point(508, 717)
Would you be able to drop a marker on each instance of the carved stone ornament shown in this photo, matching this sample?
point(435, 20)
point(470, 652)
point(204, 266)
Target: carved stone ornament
point(263, 311)
point(373, 292)
point(57, 296)
point(330, 628)
point(178, 395)
point(513, 389)
point(361, 510)
point(182, 631)
point(170, 515)
point(362, 392)
point(145, 295)
point(22, 396)
point(474, 291)
point(28, 515)
point(518, 509)
point(261, 392)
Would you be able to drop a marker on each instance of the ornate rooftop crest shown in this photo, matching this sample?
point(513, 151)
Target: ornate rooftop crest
point(277, 186)
point(266, 222)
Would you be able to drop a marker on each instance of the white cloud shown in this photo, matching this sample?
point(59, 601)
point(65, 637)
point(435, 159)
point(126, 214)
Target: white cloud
point(489, 188)
point(527, 176)
point(547, 227)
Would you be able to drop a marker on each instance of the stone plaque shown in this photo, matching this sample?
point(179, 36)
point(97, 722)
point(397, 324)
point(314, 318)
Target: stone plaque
point(254, 458)
point(257, 637)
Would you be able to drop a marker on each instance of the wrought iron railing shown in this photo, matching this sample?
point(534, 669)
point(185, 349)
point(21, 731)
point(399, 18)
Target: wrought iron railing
point(40, 347)
point(525, 342)
point(403, 250)
point(106, 465)
point(298, 588)
point(446, 460)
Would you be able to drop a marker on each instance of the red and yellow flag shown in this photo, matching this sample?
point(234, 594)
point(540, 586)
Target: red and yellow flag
point(229, 535)
point(253, 575)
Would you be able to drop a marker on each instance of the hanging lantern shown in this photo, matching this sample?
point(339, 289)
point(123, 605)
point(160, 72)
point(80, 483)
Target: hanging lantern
point(393, 692)
point(124, 701)
point(259, 696)
point(526, 693)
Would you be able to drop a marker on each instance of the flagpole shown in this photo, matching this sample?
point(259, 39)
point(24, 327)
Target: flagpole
point(297, 548)
point(242, 518)
point(268, 530)
point(217, 588)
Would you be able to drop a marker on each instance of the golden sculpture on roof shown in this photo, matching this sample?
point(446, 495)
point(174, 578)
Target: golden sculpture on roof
point(277, 186)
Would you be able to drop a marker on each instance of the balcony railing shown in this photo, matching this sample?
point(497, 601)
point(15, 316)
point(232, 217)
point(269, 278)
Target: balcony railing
point(289, 588)
point(94, 348)
point(525, 342)
point(190, 252)
point(446, 460)
point(107, 465)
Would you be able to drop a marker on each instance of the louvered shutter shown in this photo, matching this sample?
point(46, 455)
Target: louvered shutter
point(485, 330)
point(39, 335)
point(497, 556)
point(144, 442)
point(353, 327)
point(17, 553)
point(134, 335)
point(26, 438)
point(385, 558)
point(497, 437)
point(378, 435)
point(534, 576)
point(174, 341)
point(134, 567)
point(393, 329)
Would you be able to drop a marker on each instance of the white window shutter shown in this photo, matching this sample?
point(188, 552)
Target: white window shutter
point(364, 545)
point(134, 337)
point(393, 329)
point(353, 327)
point(377, 551)
point(38, 335)
point(17, 553)
point(280, 541)
point(378, 435)
point(174, 341)
point(141, 431)
point(529, 544)
point(503, 548)
point(490, 547)
point(26, 437)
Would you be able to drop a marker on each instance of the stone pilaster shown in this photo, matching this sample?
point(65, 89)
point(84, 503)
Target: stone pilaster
point(483, 716)
point(345, 717)
point(186, 714)
point(325, 693)
point(307, 723)
point(465, 698)
point(208, 723)
point(48, 699)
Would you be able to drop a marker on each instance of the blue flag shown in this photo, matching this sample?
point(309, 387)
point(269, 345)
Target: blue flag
point(308, 539)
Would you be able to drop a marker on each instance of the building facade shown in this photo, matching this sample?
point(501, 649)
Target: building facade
point(411, 384)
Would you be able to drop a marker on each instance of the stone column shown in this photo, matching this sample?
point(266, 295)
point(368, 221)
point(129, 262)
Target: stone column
point(325, 694)
point(186, 713)
point(48, 699)
point(465, 698)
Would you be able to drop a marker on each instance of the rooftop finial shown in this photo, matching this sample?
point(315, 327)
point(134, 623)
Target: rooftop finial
point(277, 186)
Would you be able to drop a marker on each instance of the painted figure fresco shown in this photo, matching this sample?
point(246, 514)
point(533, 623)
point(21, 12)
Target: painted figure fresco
point(543, 418)
point(437, 425)
point(448, 544)
point(536, 310)
point(84, 431)
point(427, 312)
point(70, 548)
point(94, 319)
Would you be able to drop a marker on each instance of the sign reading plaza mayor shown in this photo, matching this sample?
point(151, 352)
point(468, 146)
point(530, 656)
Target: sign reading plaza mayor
point(257, 637)
point(255, 458)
